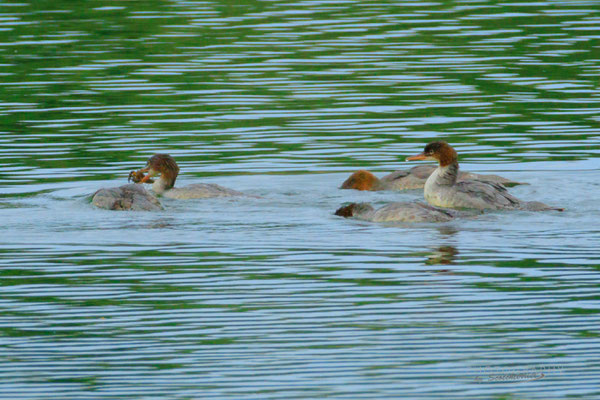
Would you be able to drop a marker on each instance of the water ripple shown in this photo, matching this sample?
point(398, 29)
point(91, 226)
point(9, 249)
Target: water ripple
point(275, 297)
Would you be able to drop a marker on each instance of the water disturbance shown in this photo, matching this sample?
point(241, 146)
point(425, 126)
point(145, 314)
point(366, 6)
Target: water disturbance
point(272, 296)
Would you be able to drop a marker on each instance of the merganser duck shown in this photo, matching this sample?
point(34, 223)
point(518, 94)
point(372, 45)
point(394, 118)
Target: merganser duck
point(397, 212)
point(165, 166)
point(413, 178)
point(128, 197)
point(443, 189)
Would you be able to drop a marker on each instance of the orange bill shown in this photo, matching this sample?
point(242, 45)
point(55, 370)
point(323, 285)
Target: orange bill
point(421, 156)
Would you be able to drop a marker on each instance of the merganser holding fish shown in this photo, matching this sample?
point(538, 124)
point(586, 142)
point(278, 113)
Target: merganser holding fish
point(165, 166)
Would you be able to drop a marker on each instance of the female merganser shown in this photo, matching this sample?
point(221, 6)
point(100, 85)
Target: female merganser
point(127, 197)
point(443, 189)
point(165, 166)
point(413, 178)
point(397, 212)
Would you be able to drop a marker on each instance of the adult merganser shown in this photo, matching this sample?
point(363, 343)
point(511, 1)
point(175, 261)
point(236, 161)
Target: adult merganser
point(443, 189)
point(127, 197)
point(413, 178)
point(165, 166)
point(397, 212)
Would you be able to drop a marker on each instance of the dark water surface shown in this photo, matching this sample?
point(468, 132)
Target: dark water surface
point(275, 297)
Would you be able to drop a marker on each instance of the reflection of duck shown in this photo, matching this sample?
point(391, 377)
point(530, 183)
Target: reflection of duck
point(443, 189)
point(413, 178)
point(397, 212)
point(165, 166)
point(127, 197)
point(442, 255)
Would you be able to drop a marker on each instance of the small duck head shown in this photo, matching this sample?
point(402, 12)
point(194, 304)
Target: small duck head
point(165, 166)
point(353, 209)
point(361, 180)
point(437, 151)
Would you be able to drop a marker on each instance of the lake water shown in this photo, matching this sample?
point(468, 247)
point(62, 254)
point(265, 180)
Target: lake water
point(275, 297)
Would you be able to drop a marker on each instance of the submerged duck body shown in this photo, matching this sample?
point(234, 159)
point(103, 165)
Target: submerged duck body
point(397, 212)
point(199, 191)
point(165, 166)
point(443, 189)
point(128, 197)
point(413, 178)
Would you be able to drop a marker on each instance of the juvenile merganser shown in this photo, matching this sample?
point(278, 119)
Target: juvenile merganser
point(165, 166)
point(397, 212)
point(413, 178)
point(128, 197)
point(443, 189)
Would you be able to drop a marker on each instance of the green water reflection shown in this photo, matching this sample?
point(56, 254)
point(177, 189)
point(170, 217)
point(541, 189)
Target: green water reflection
point(275, 297)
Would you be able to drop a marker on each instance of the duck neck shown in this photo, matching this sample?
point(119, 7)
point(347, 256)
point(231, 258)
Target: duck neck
point(446, 175)
point(166, 182)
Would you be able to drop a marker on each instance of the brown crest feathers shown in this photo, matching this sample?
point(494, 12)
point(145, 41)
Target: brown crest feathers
point(346, 211)
point(166, 165)
point(361, 180)
point(442, 151)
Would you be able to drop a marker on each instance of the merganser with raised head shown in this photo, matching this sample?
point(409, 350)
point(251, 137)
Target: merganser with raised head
point(443, 189)
point(397, 212)
point(165, 166)
point(413, 178)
